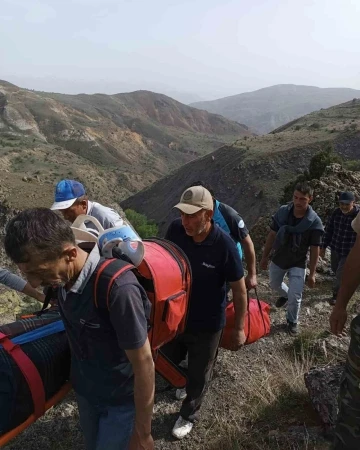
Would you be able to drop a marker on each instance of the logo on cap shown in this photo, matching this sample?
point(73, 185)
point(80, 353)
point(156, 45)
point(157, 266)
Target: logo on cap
point(188, 195)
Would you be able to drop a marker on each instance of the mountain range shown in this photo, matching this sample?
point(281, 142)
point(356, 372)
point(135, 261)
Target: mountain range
point(251, 173)
point(115, 144)
point(267, 109)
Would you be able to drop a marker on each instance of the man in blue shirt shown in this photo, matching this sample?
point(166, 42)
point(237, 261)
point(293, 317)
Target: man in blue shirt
point(233, 224)
point(214, 259)
point(340, 237)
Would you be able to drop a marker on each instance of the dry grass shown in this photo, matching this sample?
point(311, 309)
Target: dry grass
point(277, 401)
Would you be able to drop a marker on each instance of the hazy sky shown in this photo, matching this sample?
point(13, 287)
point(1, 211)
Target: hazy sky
point(210, 48)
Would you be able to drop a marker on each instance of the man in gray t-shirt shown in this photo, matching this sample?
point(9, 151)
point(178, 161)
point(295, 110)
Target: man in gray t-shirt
point(71, 200)
point(112, 369)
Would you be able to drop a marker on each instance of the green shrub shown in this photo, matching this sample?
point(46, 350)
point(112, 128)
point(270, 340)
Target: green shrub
point(321, 160)
point(314, 126)
point(353, 165)
point(317, 166)
point(144, 227)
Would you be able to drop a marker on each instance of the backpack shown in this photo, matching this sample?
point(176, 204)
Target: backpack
point(165, 275)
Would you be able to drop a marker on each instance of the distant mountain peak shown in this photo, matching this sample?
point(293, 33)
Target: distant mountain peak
point(271, 107)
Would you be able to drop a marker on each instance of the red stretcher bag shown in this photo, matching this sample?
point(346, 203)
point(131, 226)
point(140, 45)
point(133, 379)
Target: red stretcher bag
point(257, 322)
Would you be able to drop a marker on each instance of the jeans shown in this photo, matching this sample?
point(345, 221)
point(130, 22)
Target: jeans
point(202, 348)
point(106, 428)
point(293, 292)
point(337, 266)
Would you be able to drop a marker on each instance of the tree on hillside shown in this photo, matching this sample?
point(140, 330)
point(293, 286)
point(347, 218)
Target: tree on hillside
point(317, 166)
point(321, 160)
point(144, 227)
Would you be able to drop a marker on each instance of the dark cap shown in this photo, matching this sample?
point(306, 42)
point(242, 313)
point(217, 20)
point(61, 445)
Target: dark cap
point(346, 197)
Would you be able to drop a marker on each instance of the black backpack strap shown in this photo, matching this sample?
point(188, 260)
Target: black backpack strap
point(51, 294)
point(106, 274)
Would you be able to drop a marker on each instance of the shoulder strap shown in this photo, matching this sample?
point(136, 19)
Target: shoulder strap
point(51, 294)
point(106, 274)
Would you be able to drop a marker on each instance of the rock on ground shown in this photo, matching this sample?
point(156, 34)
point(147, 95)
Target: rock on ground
point(323, 386)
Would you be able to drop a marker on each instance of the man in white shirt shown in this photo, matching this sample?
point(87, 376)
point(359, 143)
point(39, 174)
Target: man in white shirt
point(71, 200)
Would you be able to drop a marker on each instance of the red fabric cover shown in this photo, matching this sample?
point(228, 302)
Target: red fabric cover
point(30, 373)
point(257, 322)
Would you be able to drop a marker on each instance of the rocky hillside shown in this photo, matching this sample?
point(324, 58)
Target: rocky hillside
point(124, 141)
point(251, 173)
point(269, 108)
point(335, 179)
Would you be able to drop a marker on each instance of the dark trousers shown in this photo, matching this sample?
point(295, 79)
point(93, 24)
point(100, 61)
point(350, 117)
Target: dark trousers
point(337, 266)
point(202, 348)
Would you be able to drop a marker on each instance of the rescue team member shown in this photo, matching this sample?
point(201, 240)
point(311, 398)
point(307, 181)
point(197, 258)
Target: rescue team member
point(17, 283)
point(214, 259)
point(112, 370)
point(71, 200)
point(295, 228)
point(233, 224)
point(347, 429)
point(340, 237)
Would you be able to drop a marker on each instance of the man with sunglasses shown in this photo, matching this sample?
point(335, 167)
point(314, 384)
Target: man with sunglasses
point(340, 237)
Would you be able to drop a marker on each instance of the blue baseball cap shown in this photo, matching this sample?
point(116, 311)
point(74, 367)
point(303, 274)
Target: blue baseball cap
point(66, 193)
point(346, 197)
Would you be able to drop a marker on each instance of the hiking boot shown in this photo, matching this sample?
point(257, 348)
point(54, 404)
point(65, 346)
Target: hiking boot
point(180, 394)
point(292, 328)
point(181, 428)
point(280, 302)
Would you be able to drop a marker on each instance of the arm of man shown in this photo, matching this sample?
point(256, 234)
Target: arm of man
point(32, 292)
point(267, 249)
point(113, 219)
point(17, 283)
point(329, 229)
point(315, 242)
point(234, 274)
point(314, 258)
point(240, 305)
point(349, 282)
point(128, 317)
point(144, 390)
point(250, 259)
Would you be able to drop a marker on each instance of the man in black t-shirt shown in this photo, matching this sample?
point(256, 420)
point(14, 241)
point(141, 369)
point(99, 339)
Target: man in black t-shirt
point(233, 224)
point(112, 370)
point(214, 259)
point(295, 228)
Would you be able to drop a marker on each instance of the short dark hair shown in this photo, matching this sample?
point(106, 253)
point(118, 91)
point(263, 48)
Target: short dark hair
point(37, 231)
point(201, 183)
point(304, 188)
point(80, 199)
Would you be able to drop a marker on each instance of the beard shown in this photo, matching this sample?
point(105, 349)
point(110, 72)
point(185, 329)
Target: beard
point(202, 226)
